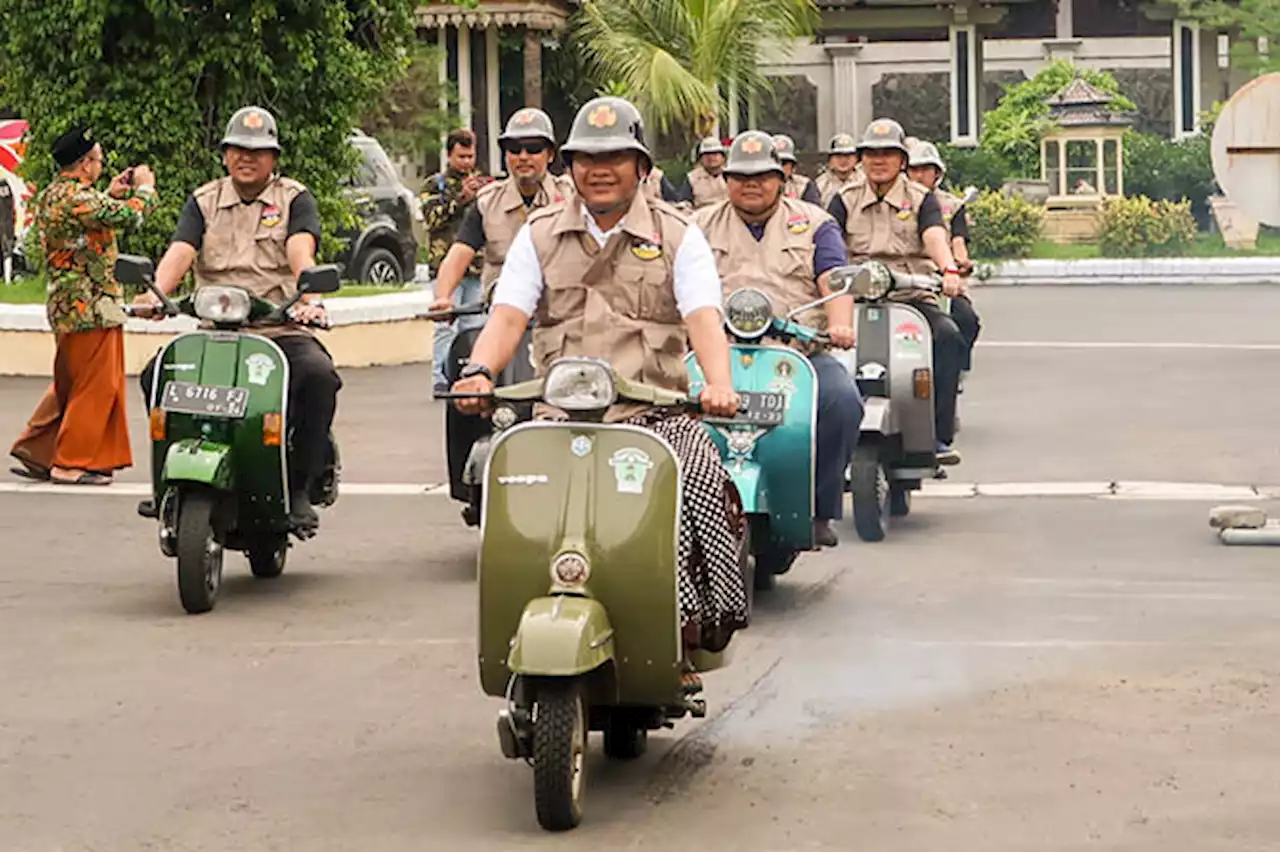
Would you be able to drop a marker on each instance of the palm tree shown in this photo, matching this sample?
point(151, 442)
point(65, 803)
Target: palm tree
point(676, 58)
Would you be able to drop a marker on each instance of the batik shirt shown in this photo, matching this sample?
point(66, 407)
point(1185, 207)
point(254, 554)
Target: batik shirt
point(78, 226)
point(442, 208)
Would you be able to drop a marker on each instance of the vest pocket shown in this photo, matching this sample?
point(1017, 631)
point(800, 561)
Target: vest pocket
point(548, 344)
point(649, 291)
point(269, 248)
point(664, 358)
point(561, 302)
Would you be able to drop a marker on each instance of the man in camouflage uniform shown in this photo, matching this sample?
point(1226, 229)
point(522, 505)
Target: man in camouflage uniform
point(78, 434)
point(842, 168)
point(445, 198)
point(797, 185)
point(926, 167)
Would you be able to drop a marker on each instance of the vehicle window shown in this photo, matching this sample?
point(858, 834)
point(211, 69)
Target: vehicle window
point(375, 167)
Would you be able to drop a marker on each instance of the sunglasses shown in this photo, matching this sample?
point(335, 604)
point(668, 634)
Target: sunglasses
point(526, 147)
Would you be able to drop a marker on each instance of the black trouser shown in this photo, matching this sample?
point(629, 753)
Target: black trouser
point(949, 350)
point(962, 311)
point(313, 400)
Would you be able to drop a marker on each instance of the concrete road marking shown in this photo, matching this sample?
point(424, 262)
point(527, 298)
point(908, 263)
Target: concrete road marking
point(1125, 344)
point(1115, 490)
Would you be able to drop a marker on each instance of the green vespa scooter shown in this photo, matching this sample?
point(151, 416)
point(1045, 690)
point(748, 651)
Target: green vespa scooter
point(219, 427)
point(579, 615)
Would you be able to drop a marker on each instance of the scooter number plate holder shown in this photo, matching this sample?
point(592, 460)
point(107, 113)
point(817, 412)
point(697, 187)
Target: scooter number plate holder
point(205, 400)
point(759, 407)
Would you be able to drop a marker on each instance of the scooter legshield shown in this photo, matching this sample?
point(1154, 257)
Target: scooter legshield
point(252, 467)
point(611, 493)
point(773, 466)
point(894, 340)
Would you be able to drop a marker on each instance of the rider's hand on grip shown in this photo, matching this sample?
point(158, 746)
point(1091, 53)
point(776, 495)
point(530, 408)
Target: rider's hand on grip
point(841, 336)
point(478, 384)
point(720, 401)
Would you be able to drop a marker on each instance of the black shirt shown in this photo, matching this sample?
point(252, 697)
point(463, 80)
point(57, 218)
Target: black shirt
point(960, 224)
point(471, 231)
point(304, 218)
point(930, 214)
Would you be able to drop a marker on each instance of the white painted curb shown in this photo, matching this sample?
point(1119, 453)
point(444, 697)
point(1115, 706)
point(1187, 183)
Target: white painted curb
point(1128, 271)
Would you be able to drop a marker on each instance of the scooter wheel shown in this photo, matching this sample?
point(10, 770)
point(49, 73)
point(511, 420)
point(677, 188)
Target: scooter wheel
point(199, 553)
point(559, 755)
point(869, 488)
point(624, 739)
point(267, 556)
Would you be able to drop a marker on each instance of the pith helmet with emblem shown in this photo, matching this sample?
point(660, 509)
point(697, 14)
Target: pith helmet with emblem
point(786, 147)
point(604, 126)
point(926, 154)
point(753, 153)
point(842, 143)
point(252, 128)
point(529, 123)
point(884, 134)
point(710, 145)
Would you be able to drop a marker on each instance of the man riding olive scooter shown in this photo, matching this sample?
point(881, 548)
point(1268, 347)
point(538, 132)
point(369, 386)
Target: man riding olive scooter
point(257, 230)
point(786, 248)
point(612, 274)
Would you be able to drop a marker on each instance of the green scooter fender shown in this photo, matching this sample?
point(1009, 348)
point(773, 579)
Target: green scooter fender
point(561, 636)
point(199, 461)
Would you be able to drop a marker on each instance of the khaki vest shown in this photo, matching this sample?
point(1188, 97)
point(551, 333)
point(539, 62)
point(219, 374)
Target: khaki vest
point(502, 211)
point(780, 263)
point(829, 185)
point(950, 204)
point(707, 188)
point(652, 184)
point(795, 186)
point(617, 302)
point(244, 244)
point(888, 229)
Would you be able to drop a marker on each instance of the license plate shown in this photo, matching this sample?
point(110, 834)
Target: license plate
point(207, 400)
point(764, 409)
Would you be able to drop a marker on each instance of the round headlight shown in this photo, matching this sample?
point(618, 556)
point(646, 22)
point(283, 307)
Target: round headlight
point(876, 284)
point(570, 569)
point(748, 313)
point(579, 384)
point(222, 304)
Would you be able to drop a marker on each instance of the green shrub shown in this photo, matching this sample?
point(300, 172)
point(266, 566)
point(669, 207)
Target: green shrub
point(1003, 227)
point(974, 167)
point(1140, 227)
point(1165, 170)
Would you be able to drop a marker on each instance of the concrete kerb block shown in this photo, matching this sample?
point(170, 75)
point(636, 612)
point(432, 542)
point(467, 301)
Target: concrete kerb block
point(1237, 517)
point(1182, 491)
point(1046, 489)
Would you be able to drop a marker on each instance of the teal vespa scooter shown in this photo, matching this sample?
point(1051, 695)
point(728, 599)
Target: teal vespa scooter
point(770, 447)
point(220, 436)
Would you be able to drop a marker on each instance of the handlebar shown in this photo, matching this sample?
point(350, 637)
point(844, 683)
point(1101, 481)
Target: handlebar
point(453, 313)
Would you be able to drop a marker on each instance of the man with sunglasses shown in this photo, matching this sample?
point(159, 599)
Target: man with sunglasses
point(491, 223)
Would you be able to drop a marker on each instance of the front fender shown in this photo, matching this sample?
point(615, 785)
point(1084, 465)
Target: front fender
point(196, 460)
point(561, 636)
point(748, 479)
point(876, 415)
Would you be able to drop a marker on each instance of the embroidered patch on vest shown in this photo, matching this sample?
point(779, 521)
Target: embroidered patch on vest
point(270, 216)
point(798, 223)
point(904, 212)
point(647, 251)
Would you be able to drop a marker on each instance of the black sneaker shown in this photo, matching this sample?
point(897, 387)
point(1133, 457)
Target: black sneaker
point(823, 535)
point(149, 509)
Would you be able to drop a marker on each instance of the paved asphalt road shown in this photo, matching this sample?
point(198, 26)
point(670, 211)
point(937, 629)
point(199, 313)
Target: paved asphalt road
point(1001, 674)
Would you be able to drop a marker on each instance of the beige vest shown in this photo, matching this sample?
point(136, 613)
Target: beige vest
point(829, 185)
point(888, 229)
point(707, 188)
point(617, 302)
point(502, 211)
point(950, 205)
point(795, 186)
point(652, 184)
point(780, 263)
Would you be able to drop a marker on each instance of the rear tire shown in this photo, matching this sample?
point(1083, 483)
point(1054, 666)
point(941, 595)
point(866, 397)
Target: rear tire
point(870, 490)
point(267, 556)
point(899, 501)
point(623, 738)
point(199, 553)
point(559, 755)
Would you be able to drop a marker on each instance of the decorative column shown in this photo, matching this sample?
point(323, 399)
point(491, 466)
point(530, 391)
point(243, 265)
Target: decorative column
point(1064, 43)
point(492, 98)
point(844, 79)
point(1186, 78)
point(442, 39)
point(464, 75)
point(532, 67)
point(965, 84)
point(1102, 167)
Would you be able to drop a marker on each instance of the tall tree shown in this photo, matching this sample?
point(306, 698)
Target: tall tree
point(1251, 19)
point(678, 59)
point(157, 80)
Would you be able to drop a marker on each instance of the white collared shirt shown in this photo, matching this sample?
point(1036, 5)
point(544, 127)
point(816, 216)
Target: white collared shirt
point(697, 282)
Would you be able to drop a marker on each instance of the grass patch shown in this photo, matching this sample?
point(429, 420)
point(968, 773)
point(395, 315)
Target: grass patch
point(350, 290)
point(1206, 245)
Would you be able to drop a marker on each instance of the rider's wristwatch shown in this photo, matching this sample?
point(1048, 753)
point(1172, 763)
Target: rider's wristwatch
point(472, 369)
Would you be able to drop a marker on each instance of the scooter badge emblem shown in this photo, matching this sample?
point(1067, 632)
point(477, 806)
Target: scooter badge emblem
point(630, 467)
point(909, 334)
point(260, 368)
point(581, 446)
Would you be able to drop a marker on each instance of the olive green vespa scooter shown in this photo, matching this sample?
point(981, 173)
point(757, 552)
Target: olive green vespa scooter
point(579, 615)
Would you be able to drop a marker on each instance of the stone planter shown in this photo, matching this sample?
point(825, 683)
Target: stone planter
point(1238, 230)
point(1035, 191)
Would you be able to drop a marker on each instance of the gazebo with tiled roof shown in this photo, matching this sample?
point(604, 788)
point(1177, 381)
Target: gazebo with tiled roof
point(1082, 157)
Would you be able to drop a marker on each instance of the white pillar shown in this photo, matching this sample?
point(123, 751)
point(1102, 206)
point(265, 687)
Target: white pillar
point(492, 98)
point(733, 108)
point(1064, 25)
point(1186, 78)
point(442, 39)
point(753, 111)
point(464, 75)
point(844, 79)
point(1102, 168)
point(965, 84)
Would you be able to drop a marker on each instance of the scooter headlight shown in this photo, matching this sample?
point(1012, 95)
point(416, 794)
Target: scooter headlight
point(579, 384)
point(570, 569)
point(876, 284)
point(222, 304)
point(748, 313)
